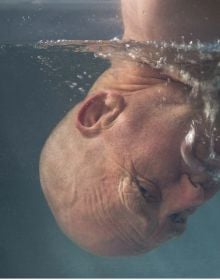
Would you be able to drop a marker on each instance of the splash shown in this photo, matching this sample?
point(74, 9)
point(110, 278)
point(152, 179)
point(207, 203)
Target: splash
point(195, 64)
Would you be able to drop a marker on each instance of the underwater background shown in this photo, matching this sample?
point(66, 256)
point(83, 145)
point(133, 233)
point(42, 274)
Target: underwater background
point(37, 88)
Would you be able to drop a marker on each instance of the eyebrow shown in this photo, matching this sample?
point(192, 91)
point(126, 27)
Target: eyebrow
point(136, 174)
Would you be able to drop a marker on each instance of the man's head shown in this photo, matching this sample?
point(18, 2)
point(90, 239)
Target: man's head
point(119, 171)
point(113, 171)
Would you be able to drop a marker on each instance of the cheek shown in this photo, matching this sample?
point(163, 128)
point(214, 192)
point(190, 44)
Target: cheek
point(164, 233)
point(127, 221)
point(159, 146)
point(140, 211)
point(158, 158)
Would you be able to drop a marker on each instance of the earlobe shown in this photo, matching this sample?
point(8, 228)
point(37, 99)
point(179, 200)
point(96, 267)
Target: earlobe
point(98, 112)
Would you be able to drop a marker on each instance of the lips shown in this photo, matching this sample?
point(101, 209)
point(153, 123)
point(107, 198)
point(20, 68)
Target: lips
point(174, 225)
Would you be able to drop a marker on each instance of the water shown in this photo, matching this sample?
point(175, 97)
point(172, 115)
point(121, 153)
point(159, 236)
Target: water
point(36, 92)
point(38, 86)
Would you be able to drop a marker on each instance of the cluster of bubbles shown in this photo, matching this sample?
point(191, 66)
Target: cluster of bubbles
point(77, 80)
point(195, 64)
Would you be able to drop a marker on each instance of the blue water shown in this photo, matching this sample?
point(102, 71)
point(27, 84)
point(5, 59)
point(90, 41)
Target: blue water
point(37, 88)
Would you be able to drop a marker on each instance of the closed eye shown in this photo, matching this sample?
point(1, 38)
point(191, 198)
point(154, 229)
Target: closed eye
point(148, 190)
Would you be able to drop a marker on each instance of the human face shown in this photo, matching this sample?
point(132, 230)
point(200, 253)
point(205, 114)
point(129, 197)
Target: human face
point(157, 190)
point(131, 187)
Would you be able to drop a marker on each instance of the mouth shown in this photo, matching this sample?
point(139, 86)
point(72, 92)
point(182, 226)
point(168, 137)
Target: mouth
point(178, 222)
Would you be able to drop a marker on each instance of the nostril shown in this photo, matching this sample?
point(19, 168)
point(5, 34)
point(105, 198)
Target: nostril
point(177, 218)
point(198, 179)
point(192, 192)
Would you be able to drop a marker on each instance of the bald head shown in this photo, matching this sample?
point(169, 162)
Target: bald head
point(113, 170)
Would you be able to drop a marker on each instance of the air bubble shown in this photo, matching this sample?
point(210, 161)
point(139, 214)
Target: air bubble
point(79, 77)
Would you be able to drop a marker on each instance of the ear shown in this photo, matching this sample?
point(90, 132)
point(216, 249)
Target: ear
point(99, 112)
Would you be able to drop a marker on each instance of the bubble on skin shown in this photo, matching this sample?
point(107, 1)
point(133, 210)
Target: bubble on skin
point(115, 39)
point(132, 55)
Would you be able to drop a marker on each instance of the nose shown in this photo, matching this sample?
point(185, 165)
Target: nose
point(202, 165)
point(182, 196)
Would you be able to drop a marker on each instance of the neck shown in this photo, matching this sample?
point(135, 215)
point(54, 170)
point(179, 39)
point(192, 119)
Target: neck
point(171, 20)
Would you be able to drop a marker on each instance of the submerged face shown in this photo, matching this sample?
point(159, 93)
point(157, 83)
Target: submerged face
point(118, 172)
point(132, 188)
point(156, 191)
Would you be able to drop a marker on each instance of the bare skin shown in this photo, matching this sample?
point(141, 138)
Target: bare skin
point(171, 20)
point(112, 170)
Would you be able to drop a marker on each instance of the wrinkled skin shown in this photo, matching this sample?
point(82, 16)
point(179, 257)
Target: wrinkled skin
point(112, 170)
